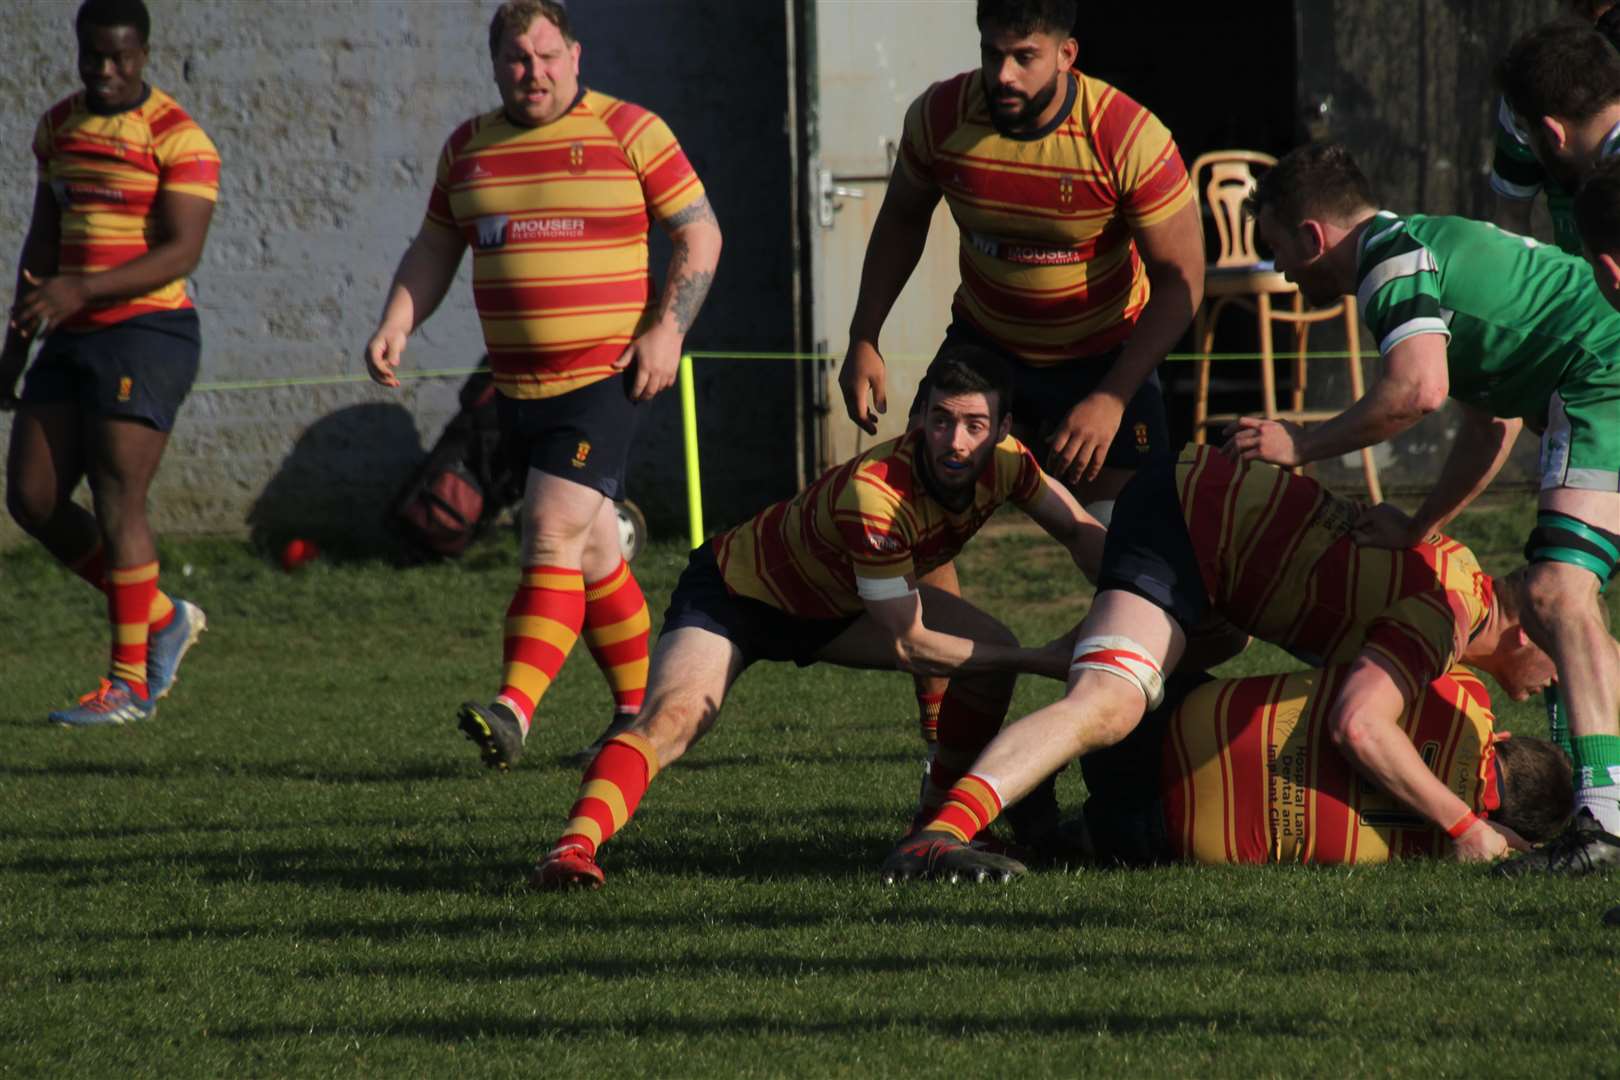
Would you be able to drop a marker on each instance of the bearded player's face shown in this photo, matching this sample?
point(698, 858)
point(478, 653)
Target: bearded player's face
point(537, 72)
point(961, 432)
point(111, 60)
point(1021, 74)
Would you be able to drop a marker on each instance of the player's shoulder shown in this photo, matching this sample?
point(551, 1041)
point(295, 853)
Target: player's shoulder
point(57, 115)
point(470, 132)
point(1108, 114)
point(624, 119)
point(165, 117)
point(946, 104)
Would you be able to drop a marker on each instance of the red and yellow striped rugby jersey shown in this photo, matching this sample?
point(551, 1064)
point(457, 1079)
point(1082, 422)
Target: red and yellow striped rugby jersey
point(872, 517)
point(1250, 774)
point(557, 220)
point(1276, 557)
point(105, 172)
point(1048, 267)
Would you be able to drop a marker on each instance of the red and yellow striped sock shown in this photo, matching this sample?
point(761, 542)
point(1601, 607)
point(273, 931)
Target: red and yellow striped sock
point(542, 624)
point(928, 703)
point(612, 789)
point(129, 607)
point(93, 568)
point(616, 629)
point(969, 808)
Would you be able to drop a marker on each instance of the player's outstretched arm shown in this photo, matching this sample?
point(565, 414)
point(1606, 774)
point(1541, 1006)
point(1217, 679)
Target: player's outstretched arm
point(1365, 725)
point(898, 238)
point(654, 358)
point(1414, 384)
point(38, 258)
point(423, 277)
point(923, 651)
point(1060, 514)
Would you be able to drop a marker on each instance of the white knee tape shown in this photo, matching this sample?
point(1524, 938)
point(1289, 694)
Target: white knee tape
point(1124, 659)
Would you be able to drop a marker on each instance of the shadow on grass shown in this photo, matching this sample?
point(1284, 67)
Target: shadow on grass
point(918, 1020)
point(263, 770)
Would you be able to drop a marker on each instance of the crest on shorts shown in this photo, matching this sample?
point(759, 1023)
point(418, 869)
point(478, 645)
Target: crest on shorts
point(1066, 192)
point(125, 386)
point(581, 452)
point(576, 157)
point(1141, 432)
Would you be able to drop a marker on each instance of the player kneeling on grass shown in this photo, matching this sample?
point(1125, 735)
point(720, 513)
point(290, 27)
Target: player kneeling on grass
point(1274, 554)
point(1243, 771)
point(830, 576)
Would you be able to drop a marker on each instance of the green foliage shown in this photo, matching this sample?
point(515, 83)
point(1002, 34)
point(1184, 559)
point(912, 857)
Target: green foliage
point(300, 868)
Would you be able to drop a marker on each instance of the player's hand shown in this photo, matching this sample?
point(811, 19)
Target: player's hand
point(864, 381)
point(1250, 438)
point(1486, 841)
point(383, 353)
point(50, 303)
point(1383, 526)
point(1080, 444)
point(653, 360)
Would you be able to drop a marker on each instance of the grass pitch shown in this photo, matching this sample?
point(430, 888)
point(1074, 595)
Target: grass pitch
point(300, 868)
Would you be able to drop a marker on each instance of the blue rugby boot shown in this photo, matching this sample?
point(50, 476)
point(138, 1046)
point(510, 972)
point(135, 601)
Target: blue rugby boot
point(167, 647)
point(113, 702)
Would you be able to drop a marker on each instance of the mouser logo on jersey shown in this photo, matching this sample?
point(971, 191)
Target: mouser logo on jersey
point(1024, 253)
point(498, 230)
point(70, 194)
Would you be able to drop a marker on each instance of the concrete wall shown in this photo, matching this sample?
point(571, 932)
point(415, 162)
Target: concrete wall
point(329, 119)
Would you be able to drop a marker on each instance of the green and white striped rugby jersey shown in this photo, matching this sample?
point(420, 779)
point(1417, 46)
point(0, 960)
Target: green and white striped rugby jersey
point(1523, 318)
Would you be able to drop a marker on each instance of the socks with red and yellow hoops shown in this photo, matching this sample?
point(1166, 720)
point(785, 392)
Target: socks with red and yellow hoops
point(614, 783)
point(93, 568)
point(616, 630)
point(969, 808)
point(928, 703)
point(965, 728)
point(130, 592)
point(542, 623)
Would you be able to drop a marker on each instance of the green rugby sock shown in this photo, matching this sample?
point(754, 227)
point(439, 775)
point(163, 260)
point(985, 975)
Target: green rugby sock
point(1597, 778)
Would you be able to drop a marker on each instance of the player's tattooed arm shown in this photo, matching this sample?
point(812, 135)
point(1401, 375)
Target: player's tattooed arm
point(695, 233)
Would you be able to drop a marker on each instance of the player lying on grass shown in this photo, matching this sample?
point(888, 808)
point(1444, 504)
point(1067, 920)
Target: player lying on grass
point(1273, 553)
point(1516, 334)
point(1243, 771)
point(830, 576)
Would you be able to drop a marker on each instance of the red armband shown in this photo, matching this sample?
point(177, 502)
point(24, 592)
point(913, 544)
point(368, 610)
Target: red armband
point(1464, 823)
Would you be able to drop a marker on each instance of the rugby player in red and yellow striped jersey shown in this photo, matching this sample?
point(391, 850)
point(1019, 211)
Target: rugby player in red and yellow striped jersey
point(126, 190)
point(1274, 554)
point(554, 192)
point(1081, 254)
point(1244, 771)
point(831, 576)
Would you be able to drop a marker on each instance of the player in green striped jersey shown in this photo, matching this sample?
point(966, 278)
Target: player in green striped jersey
point(1516, 332)
point(1544, 100)
point(1559, 117)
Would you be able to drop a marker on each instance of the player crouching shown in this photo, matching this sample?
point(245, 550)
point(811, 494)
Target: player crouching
point(829, 576)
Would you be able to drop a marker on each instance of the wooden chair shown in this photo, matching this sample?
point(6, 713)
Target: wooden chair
point(1238, 278)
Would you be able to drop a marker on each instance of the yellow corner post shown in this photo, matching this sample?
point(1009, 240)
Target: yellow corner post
point(694, 484)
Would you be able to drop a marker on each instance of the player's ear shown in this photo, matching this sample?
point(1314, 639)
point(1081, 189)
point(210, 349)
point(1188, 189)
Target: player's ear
point(1520, 638)
point(1068, 52)
point(1314, 237)
point(1553, 130)
point(1610, 269)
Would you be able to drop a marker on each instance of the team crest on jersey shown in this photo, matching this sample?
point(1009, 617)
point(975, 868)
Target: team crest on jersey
point(1066, 192)
point(1140, 430)
point(581, 452)
point(126, 386)
point(576, 157)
